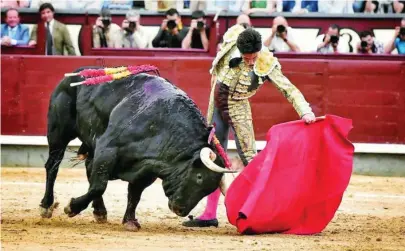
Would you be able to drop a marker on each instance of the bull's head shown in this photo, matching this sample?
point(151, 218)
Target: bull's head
point(201, 176)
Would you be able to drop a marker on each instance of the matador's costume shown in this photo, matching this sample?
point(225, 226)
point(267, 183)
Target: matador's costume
point(233, 83)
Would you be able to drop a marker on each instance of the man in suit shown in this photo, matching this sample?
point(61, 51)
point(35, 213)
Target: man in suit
point(57, 34)
point(12, 32)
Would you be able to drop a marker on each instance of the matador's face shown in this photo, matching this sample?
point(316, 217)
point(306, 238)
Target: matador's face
point(250, 58)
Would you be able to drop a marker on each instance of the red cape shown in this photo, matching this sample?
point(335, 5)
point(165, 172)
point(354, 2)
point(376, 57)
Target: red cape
point(296, 183)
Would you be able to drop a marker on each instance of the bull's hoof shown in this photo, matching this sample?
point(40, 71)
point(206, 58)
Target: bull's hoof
point(47, 212)
point(68, 210)
point(100, 217)
point(132, 225)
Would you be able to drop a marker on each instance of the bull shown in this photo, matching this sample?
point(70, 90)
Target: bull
point(137, 129)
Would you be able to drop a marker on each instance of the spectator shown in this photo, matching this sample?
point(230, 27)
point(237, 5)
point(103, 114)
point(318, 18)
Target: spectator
point(369, 44)
point(226, 5)
point(329, 42)
point(266, 6)
point(12, 32)
point(57, 34)
point(336, 6)
point(105, 33)
point(358, 6)
point(14, 4)
point(300, 6)
point(198, 5)
point(398, 6)
point(171, 32)
point(243, 19)
point(57, 4)
point(281, 38)
point(134, 34)
point(370, 6)
point(398, 41)
point(198, 34)
point(117, 4)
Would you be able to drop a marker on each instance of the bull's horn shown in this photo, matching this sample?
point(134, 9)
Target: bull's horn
point(223, 186)
point(205, 158)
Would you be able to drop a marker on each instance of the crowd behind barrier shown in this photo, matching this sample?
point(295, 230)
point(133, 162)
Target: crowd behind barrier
point(306, 29)
point(350, 84)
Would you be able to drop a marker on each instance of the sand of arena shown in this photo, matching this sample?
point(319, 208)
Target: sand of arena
point(371, 217)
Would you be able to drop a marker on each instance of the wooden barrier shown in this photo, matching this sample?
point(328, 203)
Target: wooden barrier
point(368, 90)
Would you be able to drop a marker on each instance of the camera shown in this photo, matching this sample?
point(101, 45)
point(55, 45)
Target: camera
point(171, 24)
point(200, 25)
point(106, 22)
point(363, 44)
point(132, 25)
point(334, 39)
point(281, 28)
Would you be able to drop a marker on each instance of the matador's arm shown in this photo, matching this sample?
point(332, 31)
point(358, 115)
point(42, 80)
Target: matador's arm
point(290, 91)
point(267, 66)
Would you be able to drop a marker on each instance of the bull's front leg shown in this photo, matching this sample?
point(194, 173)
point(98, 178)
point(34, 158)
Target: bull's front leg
point(134, 195)
point(100, 212)
point(103, 165)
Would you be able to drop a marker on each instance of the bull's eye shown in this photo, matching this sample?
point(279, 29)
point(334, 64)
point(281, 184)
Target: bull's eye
point(199, 179)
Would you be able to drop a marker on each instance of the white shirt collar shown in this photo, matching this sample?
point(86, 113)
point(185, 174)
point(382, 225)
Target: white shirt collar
point(51, 23)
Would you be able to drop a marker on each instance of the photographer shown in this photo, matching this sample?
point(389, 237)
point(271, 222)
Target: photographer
point(105, 33)
point(197, 36)
point(133, 33)
point(369, 44)
point(171, 32)
point(281, 38)
point(398, 41)
point(329, 42)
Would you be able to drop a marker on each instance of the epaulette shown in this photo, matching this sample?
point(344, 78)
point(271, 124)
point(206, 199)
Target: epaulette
point(230, 37)
point(235, 62)
point(265, 63)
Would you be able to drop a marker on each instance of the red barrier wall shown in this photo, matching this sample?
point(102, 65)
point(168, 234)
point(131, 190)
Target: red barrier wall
point(369, 91)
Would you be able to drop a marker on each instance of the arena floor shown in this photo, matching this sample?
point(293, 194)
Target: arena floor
point(371, 217)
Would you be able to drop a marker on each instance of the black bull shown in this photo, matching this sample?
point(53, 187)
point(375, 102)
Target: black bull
point(136, 129)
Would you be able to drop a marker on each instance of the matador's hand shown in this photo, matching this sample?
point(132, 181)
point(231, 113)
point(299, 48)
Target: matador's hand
point(309, 118)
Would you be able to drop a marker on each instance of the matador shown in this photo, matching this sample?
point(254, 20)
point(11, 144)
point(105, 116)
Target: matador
point(239, 69)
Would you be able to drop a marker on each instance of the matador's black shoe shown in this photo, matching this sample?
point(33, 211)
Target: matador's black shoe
point(200, 223)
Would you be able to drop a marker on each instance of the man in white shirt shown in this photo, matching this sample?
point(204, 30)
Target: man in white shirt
point(329, 42)
point(281, 38)
point(134, 34)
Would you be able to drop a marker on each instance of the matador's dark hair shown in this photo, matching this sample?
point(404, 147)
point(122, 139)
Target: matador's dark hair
point(249, 41)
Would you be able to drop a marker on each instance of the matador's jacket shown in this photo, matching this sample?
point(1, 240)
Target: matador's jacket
point(233, 83)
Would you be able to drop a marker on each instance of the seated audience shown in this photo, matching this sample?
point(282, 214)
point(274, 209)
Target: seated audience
point(225, 5)
point(370, 6)
point(264, 6)
point(398, 41)
point(134, 34)
point(336, 6)
point(15, 4)
point(57, 34)
point(281, 38)
point(198, 33)
point(300, 6)
point(171, 32)
point(117, 4)
point(198, 5)
point(330, 42)
point(398, 6)
point(369, 44)
point(105, 33)
point(12, 32)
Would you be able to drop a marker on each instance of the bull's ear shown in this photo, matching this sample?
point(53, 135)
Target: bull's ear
point(196, 162)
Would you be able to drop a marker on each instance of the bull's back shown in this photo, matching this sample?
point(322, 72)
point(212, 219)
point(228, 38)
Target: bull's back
point(96, 103)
